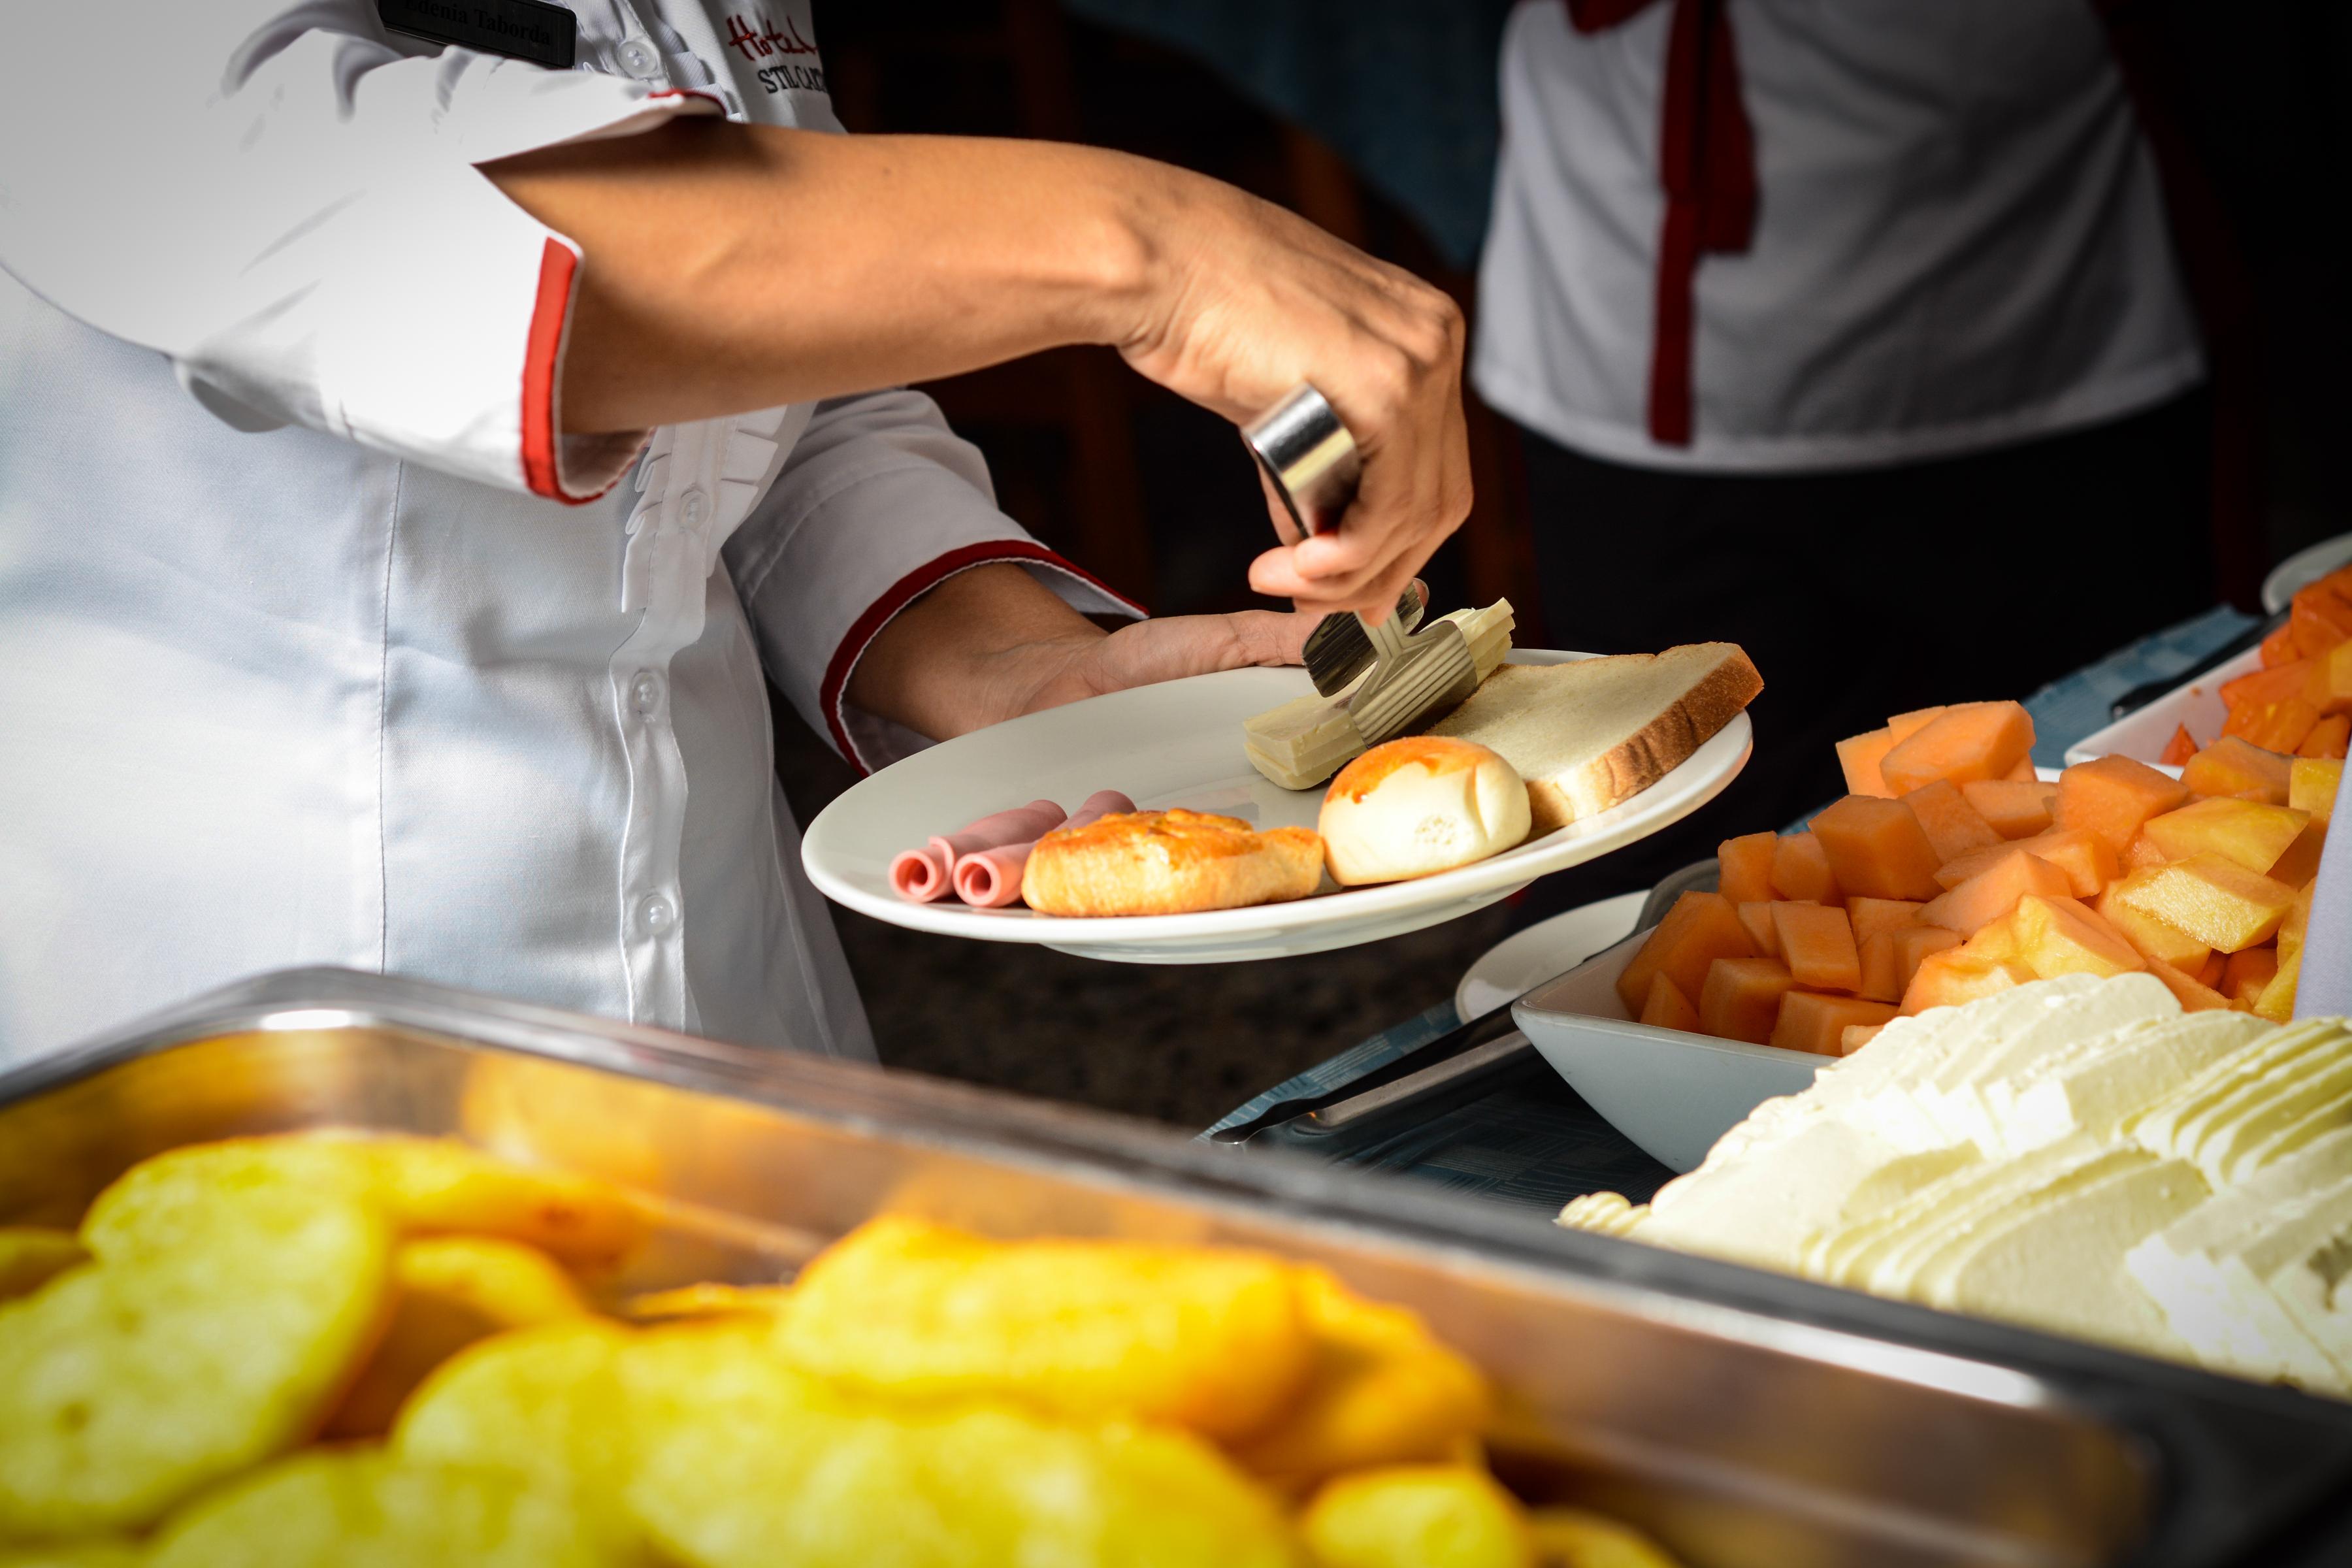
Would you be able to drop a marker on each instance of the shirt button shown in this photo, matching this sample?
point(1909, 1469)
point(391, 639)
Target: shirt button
point(656, 914)
point(691, 508)
point(645, 693)
point(637, 58)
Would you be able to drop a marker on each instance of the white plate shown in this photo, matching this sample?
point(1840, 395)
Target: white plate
point(1505, 971)
point(1673, 1094)
point(2305, 565)
point(2142, 733)
point(1179, 743)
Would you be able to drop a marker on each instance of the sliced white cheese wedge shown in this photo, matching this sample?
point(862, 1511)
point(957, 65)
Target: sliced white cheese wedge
point(1959, 1099)
point(2266, 1087)
point(2092, 1086)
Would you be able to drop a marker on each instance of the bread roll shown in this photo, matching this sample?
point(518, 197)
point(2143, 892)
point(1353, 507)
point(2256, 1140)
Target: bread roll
point(1418, 805)
point(1169, 863)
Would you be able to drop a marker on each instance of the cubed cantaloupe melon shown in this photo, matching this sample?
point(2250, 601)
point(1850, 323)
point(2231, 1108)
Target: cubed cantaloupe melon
point(1968, 740)
point(1903, 726)
point(1698, 929)
point(2252, 833)
point(1757, 916)
point(1949, 978)
point(1741, 998)
point(2193, 995)
point(1870, 916)
point(1668, 1008)
point(2312, 785)
point(2327, 685)
point(2277, 1001)
point(2113, 797)
point(2248, 972)
point(1858, 759)
point(2212, 897)
point(2279, 726)
point(1856, 1036)
point(1970, 906)
point(1800, 870)
point(2300, 863)
point(2058, 936)
point(2140, 854)
point(2321, 619)
point(1890, 958)
point(1876, 848)
point(2180, 749)
point(1811, 1021)
point(2328, 738)
point(1744, 867)
point(1953, 826)
point(1817, 945)
point(2155, 941)
point(2086, 859)
point(2229, 766)
point(2014, 808)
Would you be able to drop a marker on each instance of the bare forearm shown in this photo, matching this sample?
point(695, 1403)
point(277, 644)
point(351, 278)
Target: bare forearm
point(733, 267)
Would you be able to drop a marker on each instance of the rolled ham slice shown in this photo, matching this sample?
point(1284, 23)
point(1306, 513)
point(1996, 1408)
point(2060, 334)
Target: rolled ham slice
point(991, 879)
point(922, 876)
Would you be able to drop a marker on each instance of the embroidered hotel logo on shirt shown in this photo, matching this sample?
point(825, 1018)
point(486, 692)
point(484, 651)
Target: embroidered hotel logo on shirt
point(759, 38)
point(519, 29)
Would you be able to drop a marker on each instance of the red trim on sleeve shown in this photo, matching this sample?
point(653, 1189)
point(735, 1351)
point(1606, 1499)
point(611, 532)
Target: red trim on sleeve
point(543, 352)
point(905, 591)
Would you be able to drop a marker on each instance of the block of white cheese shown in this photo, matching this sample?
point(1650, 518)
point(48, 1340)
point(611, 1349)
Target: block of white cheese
point(2091, 1084)
point(2256, 1106)
point(1306, 739)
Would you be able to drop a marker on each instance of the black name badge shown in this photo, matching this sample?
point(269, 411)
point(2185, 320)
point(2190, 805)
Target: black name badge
point(520, 29)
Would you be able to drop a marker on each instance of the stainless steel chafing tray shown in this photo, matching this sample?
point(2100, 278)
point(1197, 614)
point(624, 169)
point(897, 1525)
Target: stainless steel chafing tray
point(1744, 1418)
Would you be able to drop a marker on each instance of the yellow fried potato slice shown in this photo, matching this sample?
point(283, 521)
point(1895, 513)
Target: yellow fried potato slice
point(1211, 1339)
point(707, 1301)
point(73, 1554)
point(543, 1401)
point(363, 1509)
point(743, 1462)
point(126, 1385)
point(30, 1257)
point(1417, 1516)
point(451, 1291)
point(1573, 1538)
point(1383, 1391)
point(425, 1187)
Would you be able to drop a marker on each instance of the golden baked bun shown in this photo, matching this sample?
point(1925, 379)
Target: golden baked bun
point(1420, 804)
point(1169, 863)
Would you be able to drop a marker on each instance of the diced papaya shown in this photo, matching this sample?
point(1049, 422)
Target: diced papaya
point(2229, 766)
point(1953, 826)
point(2328, 686)
point(1741, 998)
point(1903, 726)
point(1757, 916)
point(1668, 1008)
point(2330, 738)
point(1876, 848)
point(1950, 978)
point(1859, 756)
point(2059, 936)
point(1800, 870)
point(2141, 853)
point(2321, 617)
point(2269, 684)
point(2250, 832)
point(2087, 861)
point(2180, 748)
point(2300, 863)
point(1854, 1037)
point(1744, 867)
point(1969, 741)
point(2155, 941)
point(2249, 975)
point(1811, 1022)
point(2213, 899)
point(2279, 726)
point(2112, 798)
point(2279, 647)
point(2277, 1001)
point(1817, 945)
point(2312, 784)
point(1698, 929)
point(1993, 892)
point(2014, 808)
point(1870, 916)
point(2193, 995)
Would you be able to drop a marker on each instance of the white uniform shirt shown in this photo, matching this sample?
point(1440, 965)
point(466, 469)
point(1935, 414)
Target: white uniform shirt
point(1959, 240)
point(317, 644)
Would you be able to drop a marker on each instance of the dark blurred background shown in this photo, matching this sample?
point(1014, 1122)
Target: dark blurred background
point(1377, 120)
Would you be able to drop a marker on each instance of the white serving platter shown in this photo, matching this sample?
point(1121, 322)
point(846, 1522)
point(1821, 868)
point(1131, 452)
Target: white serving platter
point(1179, 743)
point(1505, 971)
point(1671, 1093)
point(2196, 703)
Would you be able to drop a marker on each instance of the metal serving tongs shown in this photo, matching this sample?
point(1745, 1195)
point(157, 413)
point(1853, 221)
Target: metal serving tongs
point(1311, 462)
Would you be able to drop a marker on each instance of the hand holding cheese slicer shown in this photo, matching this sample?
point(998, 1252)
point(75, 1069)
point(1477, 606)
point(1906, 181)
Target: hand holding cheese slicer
point(1311, 463)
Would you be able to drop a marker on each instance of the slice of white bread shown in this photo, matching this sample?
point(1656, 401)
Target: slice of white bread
point(1598, 731)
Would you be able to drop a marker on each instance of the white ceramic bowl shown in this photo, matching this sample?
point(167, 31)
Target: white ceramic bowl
point(1671, 1093)
point(2196, 703)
